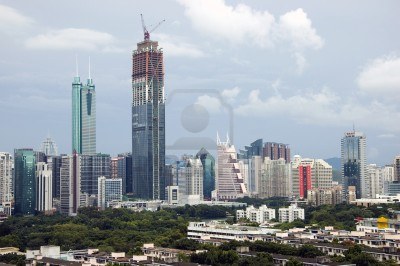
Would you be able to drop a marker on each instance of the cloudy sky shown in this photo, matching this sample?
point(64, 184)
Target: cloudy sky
point(297, 72)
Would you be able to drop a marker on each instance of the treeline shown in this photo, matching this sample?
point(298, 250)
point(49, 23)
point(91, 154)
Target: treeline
point(109, 230)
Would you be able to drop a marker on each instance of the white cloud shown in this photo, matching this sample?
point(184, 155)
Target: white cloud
point(296, 28)
point(381, 77)
point(323, 108)
point(242, 24)
point(11, 20)
point(386, 136)
point(74, 39)
point(233, 23)
point(176, 46)
point(230, 94)
point(212, 104)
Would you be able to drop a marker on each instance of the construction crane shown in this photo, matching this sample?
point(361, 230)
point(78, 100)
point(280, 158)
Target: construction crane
point(147, 32)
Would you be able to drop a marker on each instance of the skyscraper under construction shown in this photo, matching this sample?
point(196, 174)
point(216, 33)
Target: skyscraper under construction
point(148, 120)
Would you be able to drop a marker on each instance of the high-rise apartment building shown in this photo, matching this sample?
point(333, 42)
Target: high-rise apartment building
point(208, 162)
point(230, 182)
point(353, 162)
point(308, 174)
point(374, 181)
point(70, 184)
point(25, 182)
point(396, 165)
point(44, 188)
point(6, 189)
point(276, 151)
point(83, 116)
point(274, 179)
point(148, 120)
point(194, 177)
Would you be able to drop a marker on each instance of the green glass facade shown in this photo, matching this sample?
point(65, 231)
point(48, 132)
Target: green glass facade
point(208, 163)
point(25, 182)
point(83, 117)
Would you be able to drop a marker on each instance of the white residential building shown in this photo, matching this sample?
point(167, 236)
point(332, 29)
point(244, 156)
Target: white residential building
point(194, 177)
point(388, 173)
point(374, 181)
point(291, 213)
point(230, 182)
point(6, 164)
point(109, 189)
point(172, 196)
point(260, 215)
point(44, 188)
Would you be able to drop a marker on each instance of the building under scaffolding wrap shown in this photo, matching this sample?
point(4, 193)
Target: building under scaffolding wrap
point(148, 121)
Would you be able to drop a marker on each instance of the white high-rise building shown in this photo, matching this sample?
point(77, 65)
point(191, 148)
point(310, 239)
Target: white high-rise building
point(374, 181)
point(353, 163)
point(388, 173)
point(44, 188)
point(6, 188)
point(230, 182)
point(275, 179)
point(255, 174)
point(194, 177)
point(109, 189)
point(308, 174)
point(291, 213)
point(260, 215)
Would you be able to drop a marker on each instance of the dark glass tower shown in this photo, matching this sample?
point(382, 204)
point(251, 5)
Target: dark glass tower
point(208, 172)
point(148, 121)
point(25, 182)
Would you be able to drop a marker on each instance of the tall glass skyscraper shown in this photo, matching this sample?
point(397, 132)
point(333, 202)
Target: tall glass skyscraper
point(208, 163)
point(25, 182)
point(148, 121)
point(83, 116)
point(353, 163)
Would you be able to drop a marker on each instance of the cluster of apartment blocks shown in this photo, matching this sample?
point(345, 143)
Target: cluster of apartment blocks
point(381, 236)
point(264, 214)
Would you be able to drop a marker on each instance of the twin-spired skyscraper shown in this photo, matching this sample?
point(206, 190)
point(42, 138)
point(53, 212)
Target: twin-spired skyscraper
point(148, 121)
point(83, 116)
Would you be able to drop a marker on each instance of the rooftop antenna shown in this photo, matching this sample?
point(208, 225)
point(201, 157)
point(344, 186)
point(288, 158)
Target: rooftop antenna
point(89, 68)
point(147, 32)
point(76, 64)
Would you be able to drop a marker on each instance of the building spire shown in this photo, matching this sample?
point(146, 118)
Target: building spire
point(76, 65)
point(89, 68)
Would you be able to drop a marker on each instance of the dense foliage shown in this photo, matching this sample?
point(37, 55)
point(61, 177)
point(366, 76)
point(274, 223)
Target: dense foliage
point(13, 258)
point(109, 230)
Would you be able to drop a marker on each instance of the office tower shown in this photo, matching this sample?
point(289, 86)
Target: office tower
point(230, 183)
point(114, 167)
point(208, 162)
point(374, 181)
point(25, 183)
point(276, 151)
point(83, 116)
point(172, 195)
point(308, 174)
point(353, 162)
point(6, 189)
point(40, 156)
point(109, 189)
point(49, 147)
point(169, 177)
point(194, 177)
point(44, 188)
point(396, 165)
point(70, 184)
point(124, 166)
point(148, 120)
point(56, 174)
point(255, 149)
point(91, 168)
point(275, 179)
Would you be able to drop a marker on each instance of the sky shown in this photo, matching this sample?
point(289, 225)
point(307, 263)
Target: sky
point(296, 72)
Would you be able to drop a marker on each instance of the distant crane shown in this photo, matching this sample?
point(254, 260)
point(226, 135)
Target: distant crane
point(147, 32)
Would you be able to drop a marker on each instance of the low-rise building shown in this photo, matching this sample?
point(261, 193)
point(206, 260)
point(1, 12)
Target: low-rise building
point(260, 215)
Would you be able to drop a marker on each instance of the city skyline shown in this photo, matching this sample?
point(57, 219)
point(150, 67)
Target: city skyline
point(319, 85)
